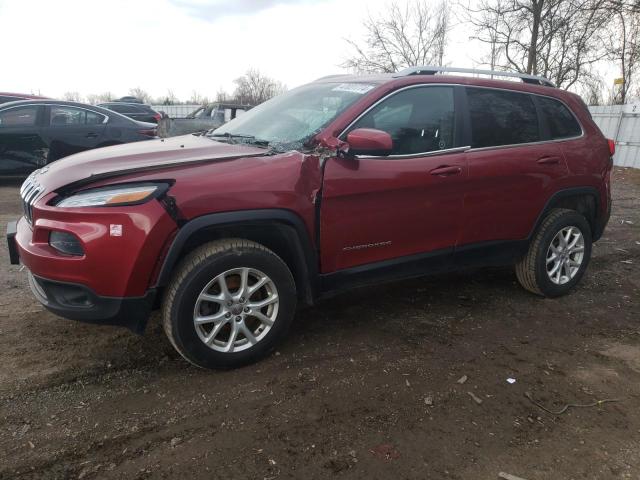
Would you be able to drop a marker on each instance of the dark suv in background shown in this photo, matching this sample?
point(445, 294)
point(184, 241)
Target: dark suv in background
point(347, 181)
point(136, 111)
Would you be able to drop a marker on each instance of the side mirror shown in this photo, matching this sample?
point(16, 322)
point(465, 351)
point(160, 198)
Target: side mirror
point(369, 141)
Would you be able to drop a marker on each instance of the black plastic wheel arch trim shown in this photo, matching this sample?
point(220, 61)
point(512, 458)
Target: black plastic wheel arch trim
point(600, 219)
point(301, 245)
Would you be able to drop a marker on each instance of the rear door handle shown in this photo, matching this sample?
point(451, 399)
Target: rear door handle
point(92, 135)
point(549, 160)
point(445, 171)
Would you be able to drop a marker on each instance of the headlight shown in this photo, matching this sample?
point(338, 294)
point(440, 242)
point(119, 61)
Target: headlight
point(111, 196)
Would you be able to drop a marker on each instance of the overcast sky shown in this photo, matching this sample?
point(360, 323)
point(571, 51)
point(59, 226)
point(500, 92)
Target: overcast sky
point(93, 46)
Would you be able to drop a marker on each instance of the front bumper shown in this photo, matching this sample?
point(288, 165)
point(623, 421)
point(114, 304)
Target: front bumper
point(77, 302)
point(121, 246)
point(110, 282)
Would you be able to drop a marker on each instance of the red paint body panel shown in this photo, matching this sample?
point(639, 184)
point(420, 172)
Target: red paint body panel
point(507, 189)
point(111, 266)
point(124, 266)
point(371, 209)
point(288, 181)
point(397, 204)
point(153, 154)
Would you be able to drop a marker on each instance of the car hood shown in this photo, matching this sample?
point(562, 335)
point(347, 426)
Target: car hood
point(93, 165)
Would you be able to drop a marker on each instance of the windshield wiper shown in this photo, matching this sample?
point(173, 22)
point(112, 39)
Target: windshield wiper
point(230, 135)
point(249, 139)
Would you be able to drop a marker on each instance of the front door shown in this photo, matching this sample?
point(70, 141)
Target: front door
point(382, 208)
point(22, 148)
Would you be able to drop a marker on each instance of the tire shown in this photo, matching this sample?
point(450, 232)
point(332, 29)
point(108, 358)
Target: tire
point(536, 272)
point(195, 304)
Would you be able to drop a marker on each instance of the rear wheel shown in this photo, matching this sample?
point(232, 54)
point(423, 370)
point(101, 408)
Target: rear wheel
point(229, 303)
point(558, 255)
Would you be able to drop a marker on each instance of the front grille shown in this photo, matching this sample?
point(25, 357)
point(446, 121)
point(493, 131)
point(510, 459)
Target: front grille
point(29, 192)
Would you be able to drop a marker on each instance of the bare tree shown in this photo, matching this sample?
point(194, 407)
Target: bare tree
point(559, 39)
point(169, 99)
point(72, 96)
point(405, 35)
point(222, 95)
point(254, 88)
point(624, 47)
point(93, 98)
point(592, 92)
point(198, 99)
point(140, 94)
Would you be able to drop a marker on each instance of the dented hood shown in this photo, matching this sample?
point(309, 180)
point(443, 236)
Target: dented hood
point(106, 162)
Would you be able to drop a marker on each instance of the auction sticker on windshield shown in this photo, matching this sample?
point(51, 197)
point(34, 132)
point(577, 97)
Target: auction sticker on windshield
point(360, 88)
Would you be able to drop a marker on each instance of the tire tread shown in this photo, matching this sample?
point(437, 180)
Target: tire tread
point(526, 268)
point(187, 264)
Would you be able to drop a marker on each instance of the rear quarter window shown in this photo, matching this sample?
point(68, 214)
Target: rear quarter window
point(562, 123)
point(500, 117)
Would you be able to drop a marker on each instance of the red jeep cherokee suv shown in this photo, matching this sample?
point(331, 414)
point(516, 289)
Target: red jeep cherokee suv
point(347, 181)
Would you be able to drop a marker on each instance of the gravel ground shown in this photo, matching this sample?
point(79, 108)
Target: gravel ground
point(368, 385)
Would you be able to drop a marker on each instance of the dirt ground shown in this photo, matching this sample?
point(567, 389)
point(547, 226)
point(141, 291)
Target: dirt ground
point(366, 386)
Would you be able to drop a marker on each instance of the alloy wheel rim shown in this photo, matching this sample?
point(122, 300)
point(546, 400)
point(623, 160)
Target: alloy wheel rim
point(236, 310)
point(565, 255)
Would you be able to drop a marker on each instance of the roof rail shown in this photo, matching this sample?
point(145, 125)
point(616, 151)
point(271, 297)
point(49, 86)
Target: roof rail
point(327, 77)
point(433, 70)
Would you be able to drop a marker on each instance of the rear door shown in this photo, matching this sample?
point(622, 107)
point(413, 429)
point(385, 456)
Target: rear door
point(69, 129)
point(381, 208)
point(22, 148)
point(513, 166)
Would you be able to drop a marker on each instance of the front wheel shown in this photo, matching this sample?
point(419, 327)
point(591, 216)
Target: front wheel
point(558, 255)
point(229, 303)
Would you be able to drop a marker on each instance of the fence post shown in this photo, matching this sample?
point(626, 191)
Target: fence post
point(615, 137)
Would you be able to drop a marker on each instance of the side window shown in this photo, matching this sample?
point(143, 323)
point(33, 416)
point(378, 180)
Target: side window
point(62, 116)
point(218, 115)
point(499, 118)
point(19, 117)
point(419, 120)
point(94, 118)
point(562, 124)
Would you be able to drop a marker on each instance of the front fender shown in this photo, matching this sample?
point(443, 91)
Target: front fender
point(299, 252)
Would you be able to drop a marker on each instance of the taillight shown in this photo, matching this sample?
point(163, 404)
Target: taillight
point(612, 146)
point(157, 116)
point(151, 132)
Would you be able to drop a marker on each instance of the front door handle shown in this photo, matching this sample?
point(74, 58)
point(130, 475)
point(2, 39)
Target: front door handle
point(553, 160)
point(445, 171)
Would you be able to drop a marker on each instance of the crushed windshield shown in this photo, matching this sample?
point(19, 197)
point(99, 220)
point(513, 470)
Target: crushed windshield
point(293, 117)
